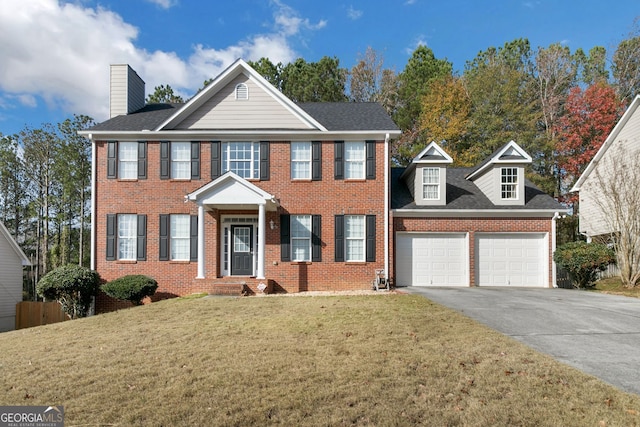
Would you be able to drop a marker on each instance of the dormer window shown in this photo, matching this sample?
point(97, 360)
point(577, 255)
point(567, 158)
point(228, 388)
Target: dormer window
point(242, 92)
point(509, 183)
point(431, 183)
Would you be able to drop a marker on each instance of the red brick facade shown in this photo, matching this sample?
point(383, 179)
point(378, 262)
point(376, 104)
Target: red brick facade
point(153, 196)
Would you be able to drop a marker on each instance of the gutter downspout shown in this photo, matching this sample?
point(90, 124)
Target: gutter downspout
point(92, 264)
point(386, 207)
point(554, 278)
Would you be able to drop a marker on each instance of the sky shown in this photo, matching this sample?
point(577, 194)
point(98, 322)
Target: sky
point(55, 54)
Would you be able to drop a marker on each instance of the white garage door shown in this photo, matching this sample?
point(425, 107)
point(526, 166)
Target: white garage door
point(511, 260)
point(431, 259)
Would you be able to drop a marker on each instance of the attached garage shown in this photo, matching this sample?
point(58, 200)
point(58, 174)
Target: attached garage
point(432, 259)
point(513, 259)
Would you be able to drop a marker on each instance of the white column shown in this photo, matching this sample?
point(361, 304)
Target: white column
point(200, 242)
point(261, 242)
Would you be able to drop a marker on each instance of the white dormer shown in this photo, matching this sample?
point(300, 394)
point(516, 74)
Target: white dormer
point(501, 176)
point(426, 176)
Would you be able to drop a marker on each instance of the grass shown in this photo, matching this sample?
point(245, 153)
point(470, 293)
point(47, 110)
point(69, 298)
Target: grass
point(614, 286)
point(384, 360)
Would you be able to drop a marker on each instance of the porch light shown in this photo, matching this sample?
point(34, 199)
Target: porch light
point(272, 225)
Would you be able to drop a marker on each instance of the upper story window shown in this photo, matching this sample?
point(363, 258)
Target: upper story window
point(242, 92)
point(300, 237)
point(126, 160)
point(431, 183)
point(181, 160)
point(509, 183)
point(301, 160)
point(242, 158)
point(354, 157)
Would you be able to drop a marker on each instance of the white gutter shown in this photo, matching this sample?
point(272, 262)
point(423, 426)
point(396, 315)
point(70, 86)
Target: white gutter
point(93, 202)
point(554, 281)
point(475, 213)
point(386, 207)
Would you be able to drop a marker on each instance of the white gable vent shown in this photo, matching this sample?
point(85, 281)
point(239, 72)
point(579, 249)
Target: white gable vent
point(242, 91)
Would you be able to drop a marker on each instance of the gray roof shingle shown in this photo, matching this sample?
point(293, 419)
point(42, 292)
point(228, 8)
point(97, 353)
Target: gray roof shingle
point(465, 195)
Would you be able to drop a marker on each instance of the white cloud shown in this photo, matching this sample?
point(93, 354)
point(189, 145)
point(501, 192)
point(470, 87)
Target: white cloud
point(354, 13)
point(165, 4)
point(419, 41)
point(63, 50)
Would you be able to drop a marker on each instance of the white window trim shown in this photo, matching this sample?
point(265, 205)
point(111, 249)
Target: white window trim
point(509, 187)
point(362, 161)
point(297, 238)
point(131, 237)
point(129, 161)
point(175, 161)
point(173, 239)
point(348, 238)
point(254, 158)
point(242, 92)
point(435, 184)
point(298, 161)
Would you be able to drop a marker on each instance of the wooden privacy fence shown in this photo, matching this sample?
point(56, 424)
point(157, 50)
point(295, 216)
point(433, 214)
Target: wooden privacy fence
point(34, 313)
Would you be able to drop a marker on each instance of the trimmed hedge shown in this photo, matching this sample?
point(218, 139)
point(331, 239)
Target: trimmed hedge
point(132, 288)
point(72, 286)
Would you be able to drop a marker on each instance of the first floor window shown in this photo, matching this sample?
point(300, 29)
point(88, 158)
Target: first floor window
point(180, 237)
point(354, 237)
point(301, 237)
point(509, 183)
point(430, 183)
point(127, 236)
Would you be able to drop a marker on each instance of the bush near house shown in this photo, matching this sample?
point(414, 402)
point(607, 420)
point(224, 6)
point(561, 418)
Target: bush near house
point(583, 261)
point(133, 288)
point(73, 286)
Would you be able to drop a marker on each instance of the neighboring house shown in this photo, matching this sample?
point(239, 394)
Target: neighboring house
point(622, 147)
point(239, 188)
point(12, 259)
point(482, 226)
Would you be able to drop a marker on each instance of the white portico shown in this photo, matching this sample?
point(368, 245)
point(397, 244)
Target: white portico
point(243, 236)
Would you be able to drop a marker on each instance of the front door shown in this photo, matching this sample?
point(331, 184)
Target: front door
point(242, 250)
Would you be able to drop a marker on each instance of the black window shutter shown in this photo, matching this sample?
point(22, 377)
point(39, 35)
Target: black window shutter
point(316, 254)
point(339, 238)
point(338, 160)
point(285, 237)
point(216, 160)
point(371, 160)
point(371, 238)
point(316, 161)
point(142, 159)
point(112, 222)
point(264, 160)
point(195, 160)
point(164, 237)
point(165, 160)
point(193, 234)
point(112, 159)
point(142, 238)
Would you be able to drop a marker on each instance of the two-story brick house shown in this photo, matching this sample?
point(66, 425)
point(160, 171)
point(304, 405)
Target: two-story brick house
point(239, 187)
point(242, 189)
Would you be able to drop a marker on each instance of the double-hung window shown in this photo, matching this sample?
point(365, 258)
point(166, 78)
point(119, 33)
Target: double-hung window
point(180, 237)
point(300, 237)
point(127, 236)
point(354, 235)
point(128, 160)
point(242, 158)
point(354, 160)
point(355, 238)
point(301, 160)
point(509, 183)
point(431, 183)
point(181, 160)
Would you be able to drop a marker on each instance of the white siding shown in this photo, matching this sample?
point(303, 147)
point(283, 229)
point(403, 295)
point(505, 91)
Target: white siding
point(627, 142)
point(126, 90)
point(490, 184)
point(10, 284)
point(260, 111)
point(486, 184)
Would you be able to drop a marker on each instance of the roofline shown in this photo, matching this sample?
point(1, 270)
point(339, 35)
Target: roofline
point(14, 245)
point(241, 67)
point(189, 135)
point(476, 213)
point(496, 159)
point(607, 142)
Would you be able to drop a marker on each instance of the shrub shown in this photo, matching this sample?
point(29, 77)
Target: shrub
point(583, 261)
point(72, 286)
point(132, 288)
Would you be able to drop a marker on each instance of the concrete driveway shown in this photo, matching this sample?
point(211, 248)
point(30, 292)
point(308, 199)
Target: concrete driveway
point(596, 333)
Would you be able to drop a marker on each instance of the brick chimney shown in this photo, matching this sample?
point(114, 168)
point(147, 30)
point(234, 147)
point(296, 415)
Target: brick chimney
point(126, 93)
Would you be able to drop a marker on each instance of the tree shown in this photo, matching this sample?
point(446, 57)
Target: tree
point(617, 196)
point(583, 261)
point(626, 65)
point(72, 286)
point(592, 67)
point(590, 116)
point(164, 94)
point(268, 70)
point(322, 81)
point(366, 77)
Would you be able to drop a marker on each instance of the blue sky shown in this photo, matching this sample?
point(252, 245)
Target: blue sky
point(55, 54)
